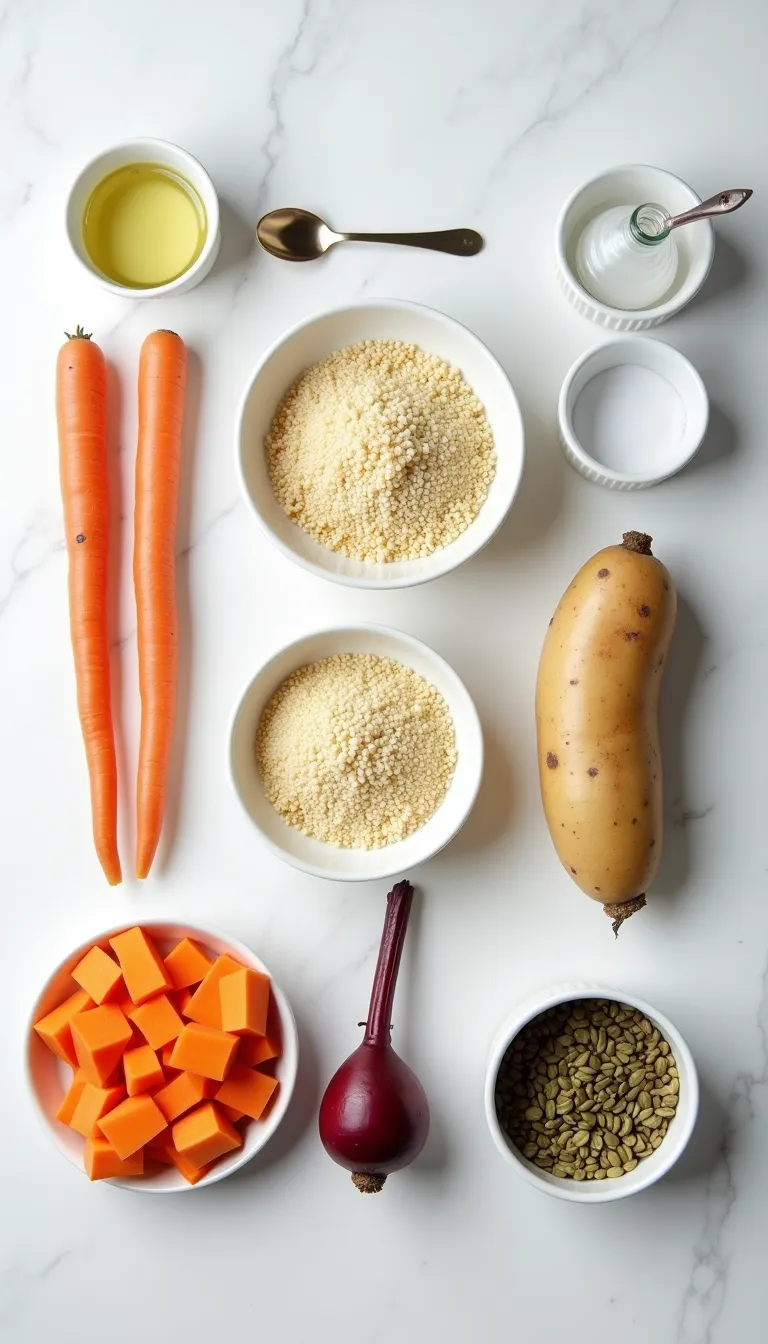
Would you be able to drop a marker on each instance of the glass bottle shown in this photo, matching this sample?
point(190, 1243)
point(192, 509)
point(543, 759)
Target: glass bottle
point(627, 258)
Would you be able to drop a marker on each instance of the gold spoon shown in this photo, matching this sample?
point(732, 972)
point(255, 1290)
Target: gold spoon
point(297, 235)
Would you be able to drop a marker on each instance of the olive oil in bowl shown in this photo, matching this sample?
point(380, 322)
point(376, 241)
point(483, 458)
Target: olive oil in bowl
point(144, 225)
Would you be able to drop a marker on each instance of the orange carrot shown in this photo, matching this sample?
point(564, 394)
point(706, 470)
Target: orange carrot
point(81, 412)
point(162, 384)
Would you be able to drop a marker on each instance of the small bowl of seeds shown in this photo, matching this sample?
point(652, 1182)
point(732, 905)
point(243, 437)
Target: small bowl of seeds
point(591, 1095)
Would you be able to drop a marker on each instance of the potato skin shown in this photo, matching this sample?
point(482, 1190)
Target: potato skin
point(597, 698)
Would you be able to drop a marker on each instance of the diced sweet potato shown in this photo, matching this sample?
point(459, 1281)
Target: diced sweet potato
point(255, 1050)
point(94, 1103)
point(184, 1092)
point(143, 1070)
point(99, 975)
point(102, 1162)
point(205, 1004)
point(157, 1021)
point(187, 964)
point(244, 997)
point(141, 964)
point(71, 1097)
point(100, 1036)
point(133, 1123)
point(247, 1090)
point(205, 1134)
point(56, 1027)
point(204, 1050)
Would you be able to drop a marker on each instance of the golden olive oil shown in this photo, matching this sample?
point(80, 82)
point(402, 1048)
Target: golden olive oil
point(144, 225)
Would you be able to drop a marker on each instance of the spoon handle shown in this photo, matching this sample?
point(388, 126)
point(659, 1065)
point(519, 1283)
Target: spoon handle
point(721, 204)
point(459, 242)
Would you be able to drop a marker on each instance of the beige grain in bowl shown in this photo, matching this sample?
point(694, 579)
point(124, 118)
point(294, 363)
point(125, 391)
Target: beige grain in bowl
point(649, 1028)
point(355, 862)
point(321, 337)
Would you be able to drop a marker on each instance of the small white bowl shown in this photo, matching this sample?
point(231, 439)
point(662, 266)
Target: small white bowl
point(634, 184)
point(145, 151)
point(313, 340)
point(314, 856)
point(652, 1168)
point(640, 453)
point(48, 1077)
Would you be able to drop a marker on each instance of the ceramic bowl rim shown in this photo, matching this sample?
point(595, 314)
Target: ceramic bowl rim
point(187, 278)
point(470, 709)
point(357, 581)
point(674, 1144)
point(659, 311)
point(287, 1022)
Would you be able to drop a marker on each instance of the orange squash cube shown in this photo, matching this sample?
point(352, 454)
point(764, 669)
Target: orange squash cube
point(184, 1092)
point(142, 966)
point(232, 1113)
point(247, 1090)
point(244, 997)
point(94, 1103)
point(188, 1170)
point(99, 975)
point(100, 1036)
point(56, 1027)
point(102, 1162)
point(71, 1097)
point(255, 1050)
point(187, 964)
point(157, 1021)
point(165, 1058)
point(205, 1004)
point(183, 1000)
point(136, 1121)
point(143, 1070)
point(204, 1050)
point(205, 1134)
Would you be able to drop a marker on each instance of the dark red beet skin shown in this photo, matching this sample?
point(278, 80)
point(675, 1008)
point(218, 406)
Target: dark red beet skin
point(374, 1117)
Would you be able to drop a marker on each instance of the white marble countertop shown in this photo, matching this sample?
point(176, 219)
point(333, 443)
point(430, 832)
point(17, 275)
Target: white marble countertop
point(401, 115)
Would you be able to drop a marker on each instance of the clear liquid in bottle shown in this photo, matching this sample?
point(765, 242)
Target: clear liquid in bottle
point(627, 258)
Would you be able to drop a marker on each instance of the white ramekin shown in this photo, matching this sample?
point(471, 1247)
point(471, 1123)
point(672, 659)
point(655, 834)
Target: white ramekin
point(145, 150)
point(646, 353)
point(314, 856)
point(47, 1075)
point(647, 1172)
point(313, 340)
point(633, 184)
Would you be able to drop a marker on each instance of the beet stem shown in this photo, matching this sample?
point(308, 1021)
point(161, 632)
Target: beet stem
point(379, 1029)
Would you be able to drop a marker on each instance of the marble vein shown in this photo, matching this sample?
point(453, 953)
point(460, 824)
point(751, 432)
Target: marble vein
point(31, 553)
point(705, 1293)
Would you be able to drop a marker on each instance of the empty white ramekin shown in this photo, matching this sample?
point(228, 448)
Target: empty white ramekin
point(663, 458)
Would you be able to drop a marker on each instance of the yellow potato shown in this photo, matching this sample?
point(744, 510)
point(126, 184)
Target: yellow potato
point(597, 698)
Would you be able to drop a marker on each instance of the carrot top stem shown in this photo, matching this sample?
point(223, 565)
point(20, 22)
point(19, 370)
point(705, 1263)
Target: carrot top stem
point(78, 334)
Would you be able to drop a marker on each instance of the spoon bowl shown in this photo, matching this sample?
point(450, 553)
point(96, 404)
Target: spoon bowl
point(292, 234)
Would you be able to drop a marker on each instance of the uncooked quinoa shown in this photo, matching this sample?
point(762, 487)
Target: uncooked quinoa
point(355, 750)
point(381, 452)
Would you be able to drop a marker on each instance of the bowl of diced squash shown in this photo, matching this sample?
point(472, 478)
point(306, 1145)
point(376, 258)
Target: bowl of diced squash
point(161, 1057)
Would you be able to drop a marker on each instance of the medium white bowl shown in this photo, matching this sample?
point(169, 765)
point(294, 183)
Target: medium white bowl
point(667, 362)
point(652, 1168)
point(146, 150)
point(634, 184)
point(48, 1077)
point(313, 340)
point(357, 865)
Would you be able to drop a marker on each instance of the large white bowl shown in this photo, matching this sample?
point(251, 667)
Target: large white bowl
point(48, 1077)
point(357, 865)
point(313, 340)
point(652, 1168)
point(634, 184)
